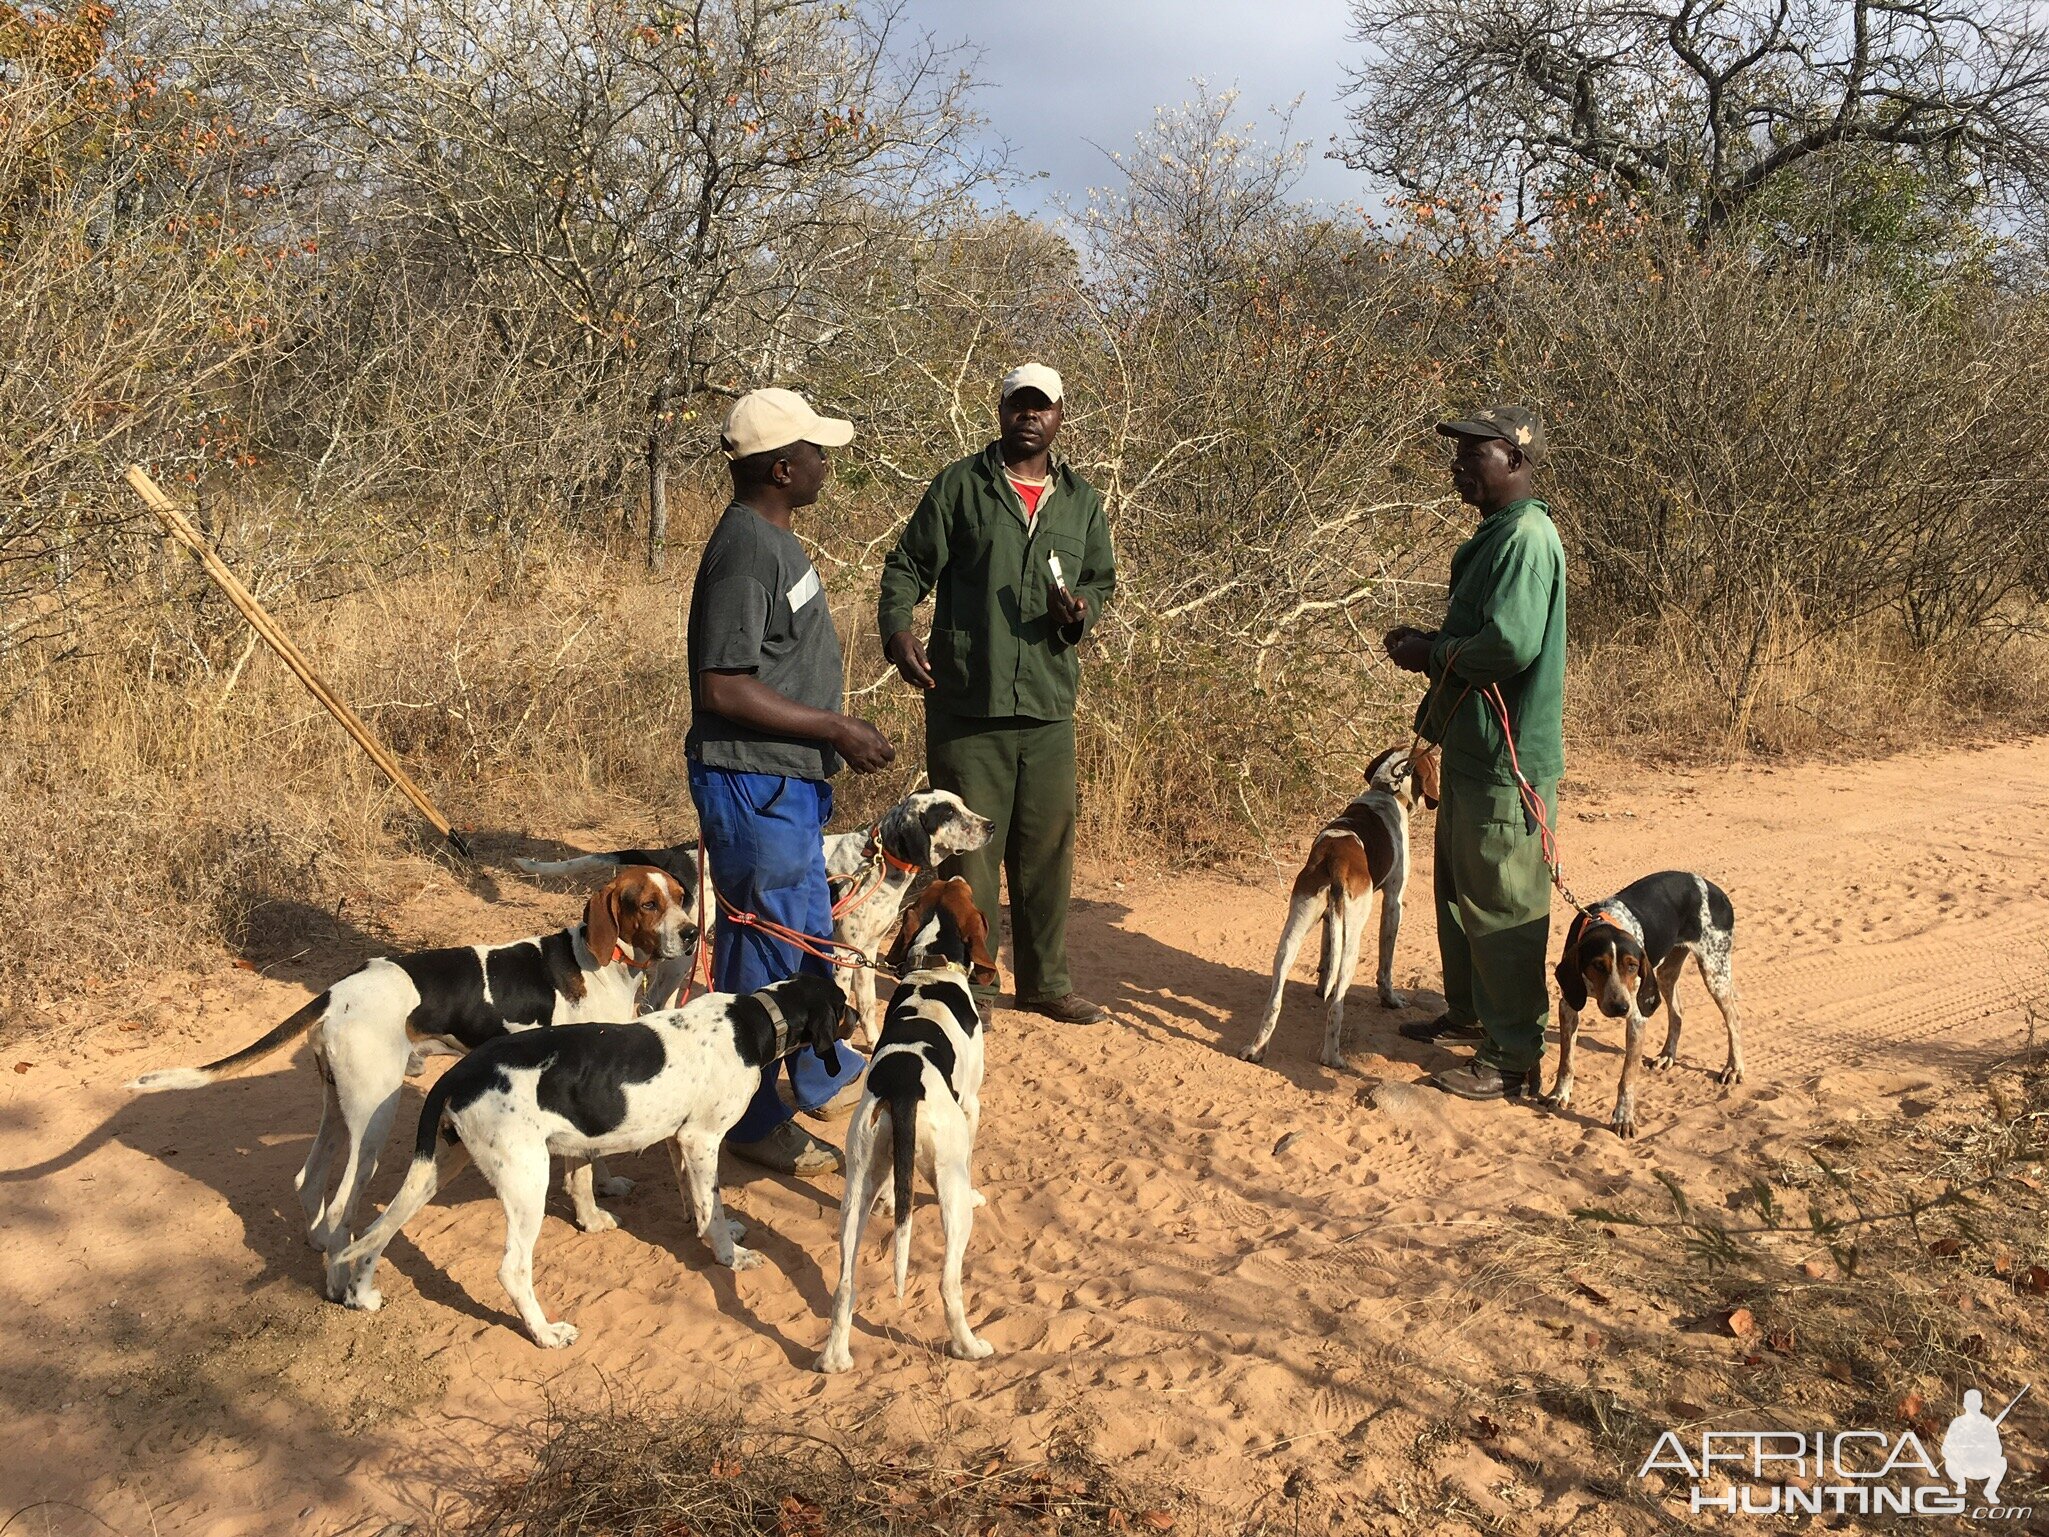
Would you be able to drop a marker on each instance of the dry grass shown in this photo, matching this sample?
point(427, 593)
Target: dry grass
point(170, 788)
point(648, 1470)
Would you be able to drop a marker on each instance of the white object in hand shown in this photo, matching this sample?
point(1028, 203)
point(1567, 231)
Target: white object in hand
point(1053, 565)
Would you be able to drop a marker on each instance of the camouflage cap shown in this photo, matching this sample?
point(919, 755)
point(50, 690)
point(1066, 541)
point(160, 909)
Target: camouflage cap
point(1512, 424)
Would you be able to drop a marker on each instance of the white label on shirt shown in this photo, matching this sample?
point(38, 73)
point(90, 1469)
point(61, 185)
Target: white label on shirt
point(805, 590)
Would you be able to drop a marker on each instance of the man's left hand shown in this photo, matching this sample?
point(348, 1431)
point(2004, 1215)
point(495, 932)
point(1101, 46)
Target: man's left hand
point(1410, 649)
point(1065, 607)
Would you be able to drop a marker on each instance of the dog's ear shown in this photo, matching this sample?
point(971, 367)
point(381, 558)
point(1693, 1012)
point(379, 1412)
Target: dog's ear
point(824, 1024)
point(601, 921)
point(911, 833)
point(1423, 763)
point(981, 964)
point(1647, 991)
point(1572, 982)
point(907, 929)
point(1375, 766)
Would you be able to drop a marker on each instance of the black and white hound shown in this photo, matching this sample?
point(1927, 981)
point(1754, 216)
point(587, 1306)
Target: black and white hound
point(1363, 850)
point(683, 1076)
point(870, 871)
point(373, 1027)
point(921, 1106)
point(1626, 953)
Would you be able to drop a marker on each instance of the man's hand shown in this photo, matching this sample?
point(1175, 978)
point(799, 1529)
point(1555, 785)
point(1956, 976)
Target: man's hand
point(866, 750)
point(1409, 648)
point(908, 653)
point(1065, 607)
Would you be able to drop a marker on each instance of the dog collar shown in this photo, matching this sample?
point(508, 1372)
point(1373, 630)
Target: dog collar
point(621, 953)
point(782, 1025)
point(877, 849)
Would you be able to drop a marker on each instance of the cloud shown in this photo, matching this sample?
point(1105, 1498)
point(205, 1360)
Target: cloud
point(1067, 79)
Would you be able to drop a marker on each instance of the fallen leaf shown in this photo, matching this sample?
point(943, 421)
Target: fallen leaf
point(1943, 1248)
point(1837, 1369)
point(2032, 1184)
point(1685, 1410)
point(1116, 1521)
point(2002, 1261)
point(1158, 1520)
point(22, 1067)
point(991, 1466)
point(1740, 1322)
point(1485, 1427)
point(133, 1024)
point(1592, 1294)
point(1287, 1138)
point(2035, 1281)
point(1965, 1302)
point(242, 963)
point(1780, 1340)
point(1753, 1359)
point(1912, 1407)
point(1814, 1270)
point(1593, 1339)
point(725, 1467)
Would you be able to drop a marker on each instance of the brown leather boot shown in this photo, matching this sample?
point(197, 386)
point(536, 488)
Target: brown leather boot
point(1068, 1008)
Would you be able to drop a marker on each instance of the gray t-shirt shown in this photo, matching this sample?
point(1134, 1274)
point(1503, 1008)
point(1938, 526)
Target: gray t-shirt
point(757, 607)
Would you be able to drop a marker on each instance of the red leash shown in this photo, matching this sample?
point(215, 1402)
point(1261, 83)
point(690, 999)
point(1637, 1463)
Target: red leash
point(833, 952)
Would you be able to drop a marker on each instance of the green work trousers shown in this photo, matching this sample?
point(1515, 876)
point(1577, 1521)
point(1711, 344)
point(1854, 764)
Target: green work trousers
point(1494, 918)
point(1019, 773)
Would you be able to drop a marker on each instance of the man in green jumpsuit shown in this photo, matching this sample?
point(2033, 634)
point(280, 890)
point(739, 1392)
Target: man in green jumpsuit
point(1015, 546)
point(1503, 630)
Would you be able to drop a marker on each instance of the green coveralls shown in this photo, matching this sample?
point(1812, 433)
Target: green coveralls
point(1503, 624)
point(999, 719)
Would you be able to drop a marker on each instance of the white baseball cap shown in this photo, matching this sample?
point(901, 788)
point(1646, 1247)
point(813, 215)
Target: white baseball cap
point(765, 419)
point(1032, 376)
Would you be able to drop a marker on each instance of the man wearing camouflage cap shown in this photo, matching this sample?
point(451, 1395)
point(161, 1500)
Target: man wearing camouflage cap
point(1504, 628)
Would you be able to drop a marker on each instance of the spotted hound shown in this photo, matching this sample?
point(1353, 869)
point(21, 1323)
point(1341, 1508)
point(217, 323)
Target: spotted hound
point(683, 1076)
point(372, 1028)
point(1626, 953)
point(921, 1106)
point(1364, 850)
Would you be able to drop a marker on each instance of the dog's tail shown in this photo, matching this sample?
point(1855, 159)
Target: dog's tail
point(349, 1269)
point(903, 1132)
point(199, 1077)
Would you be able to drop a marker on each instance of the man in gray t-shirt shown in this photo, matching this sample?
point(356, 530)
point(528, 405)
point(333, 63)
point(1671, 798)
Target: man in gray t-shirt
point(766, 737)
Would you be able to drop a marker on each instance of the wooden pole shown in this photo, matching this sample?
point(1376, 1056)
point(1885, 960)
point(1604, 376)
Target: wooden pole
point(181, 527)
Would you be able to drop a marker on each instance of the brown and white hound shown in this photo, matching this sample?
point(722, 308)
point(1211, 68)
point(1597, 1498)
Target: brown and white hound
point(372, 1028)
point(1364, 849)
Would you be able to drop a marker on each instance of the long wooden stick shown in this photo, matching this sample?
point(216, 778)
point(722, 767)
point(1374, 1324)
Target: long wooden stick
point(259, 620)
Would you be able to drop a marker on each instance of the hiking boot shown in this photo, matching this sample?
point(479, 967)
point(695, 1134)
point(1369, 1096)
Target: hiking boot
point(790, 1149)
point(1068, 1009)
point(1441, 1028)
point(840, 1106)
point(1483, 1080)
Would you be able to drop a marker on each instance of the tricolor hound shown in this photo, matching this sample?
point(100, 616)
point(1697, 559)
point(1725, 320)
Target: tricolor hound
point(1627, 952)
point(681, 1075)
point(870, 871)
point(920, 1106)
point(1363, 850)
point(372, 1028)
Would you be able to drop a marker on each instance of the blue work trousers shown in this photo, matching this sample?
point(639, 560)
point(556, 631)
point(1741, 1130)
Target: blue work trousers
point(764, 838)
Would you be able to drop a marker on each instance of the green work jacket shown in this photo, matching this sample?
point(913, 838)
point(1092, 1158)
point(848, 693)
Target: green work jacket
point(1504, 623)
point(995, 650)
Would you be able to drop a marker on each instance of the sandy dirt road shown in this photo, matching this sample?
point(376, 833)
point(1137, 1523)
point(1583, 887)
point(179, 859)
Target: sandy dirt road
point(1238, 1270)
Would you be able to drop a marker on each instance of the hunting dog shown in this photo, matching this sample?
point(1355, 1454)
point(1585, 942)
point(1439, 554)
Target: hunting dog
point(681, 1075)
point(921, 1106)
point(870, 871)
point(372, 1028)
point(1364, 850)
point(1626, 953)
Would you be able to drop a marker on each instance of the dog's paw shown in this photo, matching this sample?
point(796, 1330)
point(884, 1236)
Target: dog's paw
point(837, 1358)
point(364, 1299)
point(972, 1349)
point(1623, 1121)
point(1663, 1059)
point(555, 1336)
point(885, 1202)
point(615, 1185)
point(977, 1199)
point(1730, 1073)
point(1390, 999)
point(746, 1259)
point(598, 1220)
point(1333, 1059)
point(1252, 1054)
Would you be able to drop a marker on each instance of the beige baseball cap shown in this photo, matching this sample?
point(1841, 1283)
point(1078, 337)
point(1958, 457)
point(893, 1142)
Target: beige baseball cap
point(765, 419)
point(1032, 376)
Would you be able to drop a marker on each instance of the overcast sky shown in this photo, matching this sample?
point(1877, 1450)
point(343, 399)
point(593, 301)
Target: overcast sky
point(1063, 76)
